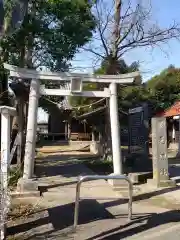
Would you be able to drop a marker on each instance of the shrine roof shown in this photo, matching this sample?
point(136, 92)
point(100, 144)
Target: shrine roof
point(172, 111)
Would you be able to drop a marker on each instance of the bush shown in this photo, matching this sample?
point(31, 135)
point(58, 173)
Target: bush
point(14, 174)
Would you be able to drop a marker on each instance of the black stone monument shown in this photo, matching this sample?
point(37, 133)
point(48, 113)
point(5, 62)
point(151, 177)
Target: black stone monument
point(139, 138)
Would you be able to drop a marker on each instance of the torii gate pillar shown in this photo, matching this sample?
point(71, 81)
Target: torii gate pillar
point(115, 130)
point(26, 183)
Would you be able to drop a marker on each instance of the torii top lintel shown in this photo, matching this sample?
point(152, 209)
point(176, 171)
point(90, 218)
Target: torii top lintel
point(24, 73)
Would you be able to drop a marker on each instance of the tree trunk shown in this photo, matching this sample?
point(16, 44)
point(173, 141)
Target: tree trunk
point(112, 70)
point(21, 127)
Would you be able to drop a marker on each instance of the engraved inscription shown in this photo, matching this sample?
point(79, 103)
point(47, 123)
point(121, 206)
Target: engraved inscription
point(162, 156)
point(162, 124)
point(159, 150)
point(162, 140)
point(163, 172)
point(138, 130)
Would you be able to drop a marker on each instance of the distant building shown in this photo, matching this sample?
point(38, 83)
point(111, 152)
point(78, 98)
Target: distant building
point(173, 123)
point(59, 124)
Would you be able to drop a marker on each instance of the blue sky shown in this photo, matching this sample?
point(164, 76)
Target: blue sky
point(152, 61)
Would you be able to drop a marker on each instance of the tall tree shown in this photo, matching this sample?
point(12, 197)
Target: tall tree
point(128, 95)
point(123, 26)
point(53, 30)
point(50, 34)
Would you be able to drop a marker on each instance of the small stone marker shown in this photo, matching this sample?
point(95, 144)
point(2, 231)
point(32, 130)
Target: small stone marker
point(159, 153)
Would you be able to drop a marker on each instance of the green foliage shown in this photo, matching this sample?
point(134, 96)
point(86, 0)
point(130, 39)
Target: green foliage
point(54, 30)
point(14, 175)
point(164, 88)
point(51, 33)
point(120, 67)
point(132, 95)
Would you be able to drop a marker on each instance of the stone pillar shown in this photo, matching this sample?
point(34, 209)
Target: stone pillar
point(115, 130)
point(178, 154)
point(31, 129)
point(66, 130)
point(93, 145)
point(6, 112)
point(27, 183)
point(69, 129)
point(115, 136)
point(93, 135)
point(159, 154)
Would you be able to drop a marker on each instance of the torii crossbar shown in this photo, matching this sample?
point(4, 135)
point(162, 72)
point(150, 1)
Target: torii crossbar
point(36, 90)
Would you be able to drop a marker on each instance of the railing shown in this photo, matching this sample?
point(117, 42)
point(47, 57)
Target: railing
point(80, 136)
point(97, 177)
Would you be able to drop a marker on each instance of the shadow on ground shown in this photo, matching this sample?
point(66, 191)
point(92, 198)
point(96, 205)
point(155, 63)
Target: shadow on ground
point(68, 166)
point(90, 210)
point(153, 221)
point(52, 143)
point(62, 216)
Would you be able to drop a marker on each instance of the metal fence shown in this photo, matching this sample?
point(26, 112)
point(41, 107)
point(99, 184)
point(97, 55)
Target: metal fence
point(97, 177)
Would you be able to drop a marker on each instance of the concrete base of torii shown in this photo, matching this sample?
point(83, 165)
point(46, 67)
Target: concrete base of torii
point(118, 184)
point(161, 184)
point(27, 188)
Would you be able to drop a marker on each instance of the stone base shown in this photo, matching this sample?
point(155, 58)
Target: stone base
point(162, 184)
point(27, 185)
point(173, 146)
point(178, 154)
point(3, 232)
point(95, 148)
point(139, 177)
point(118, 184)
point(29, 194)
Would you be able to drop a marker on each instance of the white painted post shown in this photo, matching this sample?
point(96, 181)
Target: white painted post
point(115, 130)
point(5, 156)
point(5, 145)
point(5, 161)
point(66, 130)
point(179, 138)
point(93, 135)
point(31, 129)
point(69, 130)
point(175, 135)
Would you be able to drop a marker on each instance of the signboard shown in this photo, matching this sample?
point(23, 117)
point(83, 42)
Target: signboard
point(138, 130)
point(135, 110)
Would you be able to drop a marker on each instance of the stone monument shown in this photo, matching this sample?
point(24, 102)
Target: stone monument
point(159, 154)
point(138, 138)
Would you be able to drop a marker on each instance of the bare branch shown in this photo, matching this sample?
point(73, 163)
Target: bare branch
point(130, 26)
point(94, 52)
point(102, 29)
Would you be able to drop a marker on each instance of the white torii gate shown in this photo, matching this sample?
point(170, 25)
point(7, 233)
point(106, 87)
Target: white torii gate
point(76, 90)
